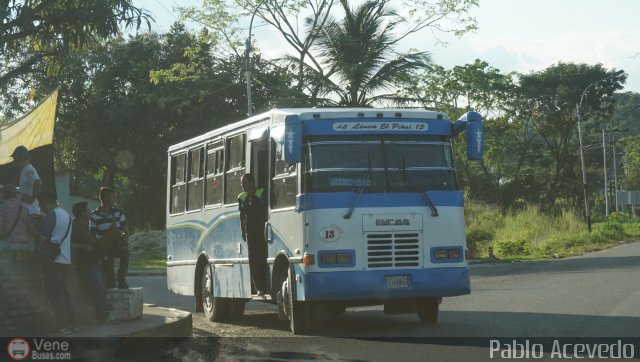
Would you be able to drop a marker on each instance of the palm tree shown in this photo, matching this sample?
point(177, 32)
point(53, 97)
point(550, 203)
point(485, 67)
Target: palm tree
point(360, 66)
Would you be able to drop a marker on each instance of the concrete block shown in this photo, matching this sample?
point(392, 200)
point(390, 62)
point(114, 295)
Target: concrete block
point(125, 304)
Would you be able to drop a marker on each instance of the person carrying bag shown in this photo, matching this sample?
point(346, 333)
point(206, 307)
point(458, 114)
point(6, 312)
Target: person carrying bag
point(48, 251)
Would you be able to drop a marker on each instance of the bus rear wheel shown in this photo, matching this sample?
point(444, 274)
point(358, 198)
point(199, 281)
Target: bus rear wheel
point(216, 309)
point(428, 310)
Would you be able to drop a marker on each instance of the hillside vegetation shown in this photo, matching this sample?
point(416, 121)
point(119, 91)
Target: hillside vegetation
point(531, 234)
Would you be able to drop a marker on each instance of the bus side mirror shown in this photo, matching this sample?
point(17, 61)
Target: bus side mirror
point(292, 139)
point(472, 123)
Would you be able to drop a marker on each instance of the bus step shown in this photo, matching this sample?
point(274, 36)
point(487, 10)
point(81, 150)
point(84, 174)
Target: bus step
point(261, 297)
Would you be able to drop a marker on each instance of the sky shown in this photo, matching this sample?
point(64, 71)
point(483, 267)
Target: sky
point(513, 35)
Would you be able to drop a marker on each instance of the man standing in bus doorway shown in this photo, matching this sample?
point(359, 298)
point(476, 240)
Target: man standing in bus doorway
point(253, 216)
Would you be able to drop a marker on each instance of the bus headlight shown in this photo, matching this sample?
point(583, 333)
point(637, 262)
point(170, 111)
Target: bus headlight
point(440, 254)
point(336, 258)
point(329, 258)
point(444, 254)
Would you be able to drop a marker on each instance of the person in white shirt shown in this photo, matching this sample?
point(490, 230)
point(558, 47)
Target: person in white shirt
point(30, 183)
point(56, 228)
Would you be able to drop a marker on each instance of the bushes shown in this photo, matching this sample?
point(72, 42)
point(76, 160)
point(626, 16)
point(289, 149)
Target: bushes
point(481, 222)
point(513, 248)
point(611, 230)
point(529, 233)
point(478, 238)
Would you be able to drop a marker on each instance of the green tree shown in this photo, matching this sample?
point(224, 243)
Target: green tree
point(302, 23)
point(547, 103)
point(631, 147)
point(626, 114)
point(358, 53)
point(481, 88)
point(124, 103)
point(35, 32)
point(531, 145)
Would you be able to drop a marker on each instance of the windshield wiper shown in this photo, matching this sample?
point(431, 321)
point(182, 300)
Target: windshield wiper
point(365, 179)
point(425, 197)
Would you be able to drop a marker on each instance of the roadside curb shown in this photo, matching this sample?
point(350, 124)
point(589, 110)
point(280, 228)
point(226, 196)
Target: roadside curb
point(155, 322)
point(177, 323)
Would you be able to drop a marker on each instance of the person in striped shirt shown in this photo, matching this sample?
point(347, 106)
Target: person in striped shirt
point(108, 224)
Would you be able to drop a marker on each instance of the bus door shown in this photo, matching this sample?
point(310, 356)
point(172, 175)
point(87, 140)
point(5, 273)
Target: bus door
point(259, 163)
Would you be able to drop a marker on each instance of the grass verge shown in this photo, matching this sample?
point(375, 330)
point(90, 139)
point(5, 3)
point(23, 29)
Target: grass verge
point(148, 264)
point(530, 234)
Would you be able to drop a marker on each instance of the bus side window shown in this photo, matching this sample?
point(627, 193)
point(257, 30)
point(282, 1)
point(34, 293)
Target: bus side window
point(215, 172)
point(235, 168)
point(178, 184)
point(284, 184)
point(195, 186)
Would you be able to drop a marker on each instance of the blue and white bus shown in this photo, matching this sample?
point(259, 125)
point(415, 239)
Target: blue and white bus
point(364, 209)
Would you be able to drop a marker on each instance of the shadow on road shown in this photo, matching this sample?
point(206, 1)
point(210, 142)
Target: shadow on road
point(481, 324)
point(368, 335)
point(374, 324)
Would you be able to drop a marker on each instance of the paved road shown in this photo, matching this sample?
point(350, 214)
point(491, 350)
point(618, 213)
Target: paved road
point(597, 295)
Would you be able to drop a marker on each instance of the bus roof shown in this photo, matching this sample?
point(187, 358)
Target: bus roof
point(316, 114)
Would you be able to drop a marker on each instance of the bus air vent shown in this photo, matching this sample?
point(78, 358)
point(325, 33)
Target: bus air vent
point(393, 250)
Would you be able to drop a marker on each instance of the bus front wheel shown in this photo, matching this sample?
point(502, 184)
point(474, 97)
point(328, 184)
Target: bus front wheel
point(298, 312)
point(215, 309)
point(428, 310)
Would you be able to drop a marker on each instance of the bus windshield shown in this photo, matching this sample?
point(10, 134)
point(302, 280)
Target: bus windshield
point(379, 164)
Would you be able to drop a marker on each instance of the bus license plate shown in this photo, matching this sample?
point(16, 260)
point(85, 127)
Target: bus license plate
point(398, 281)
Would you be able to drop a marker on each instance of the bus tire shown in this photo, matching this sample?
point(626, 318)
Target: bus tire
point(428, 310)
point(216, 309)
point(299, 316)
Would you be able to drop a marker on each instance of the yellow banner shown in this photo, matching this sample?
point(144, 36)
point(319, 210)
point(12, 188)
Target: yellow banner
point(32, 130)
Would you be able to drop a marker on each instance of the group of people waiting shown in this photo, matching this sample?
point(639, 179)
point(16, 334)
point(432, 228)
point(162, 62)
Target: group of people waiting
point(30, 216)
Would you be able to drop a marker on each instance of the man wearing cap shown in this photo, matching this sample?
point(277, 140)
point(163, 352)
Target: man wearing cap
point(30, 183)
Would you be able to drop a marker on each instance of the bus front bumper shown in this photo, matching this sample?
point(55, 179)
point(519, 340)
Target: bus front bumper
point(383, 284)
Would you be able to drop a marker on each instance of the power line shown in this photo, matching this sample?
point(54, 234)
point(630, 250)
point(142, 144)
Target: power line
point(166, 9)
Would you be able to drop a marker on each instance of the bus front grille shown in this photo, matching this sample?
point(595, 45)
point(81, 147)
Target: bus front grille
point(393, 250)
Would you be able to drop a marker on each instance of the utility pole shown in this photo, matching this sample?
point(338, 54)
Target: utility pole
point(615, 163)
point(247, 55)
point(606, 189)
point(612, 131)
point(584, 174)
point(615, 173)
